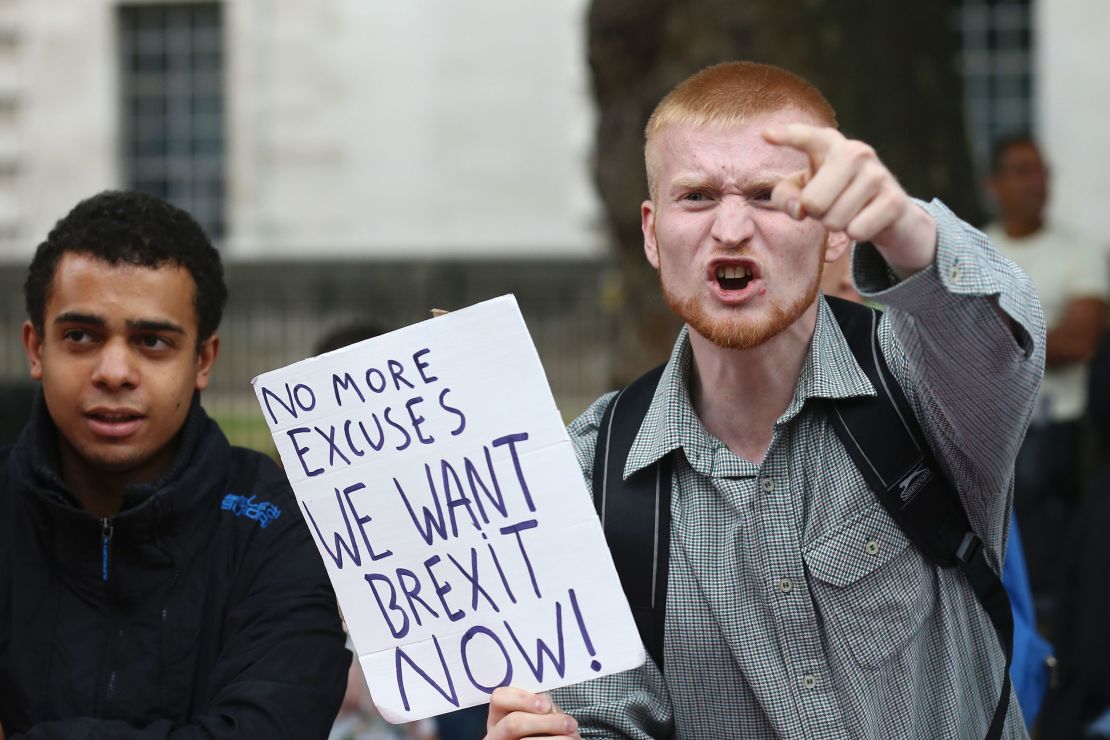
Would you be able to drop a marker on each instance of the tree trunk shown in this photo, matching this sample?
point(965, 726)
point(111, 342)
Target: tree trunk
point(889, 69)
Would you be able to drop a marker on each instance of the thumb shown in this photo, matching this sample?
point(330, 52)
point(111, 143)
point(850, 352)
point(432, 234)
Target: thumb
point(787, 195)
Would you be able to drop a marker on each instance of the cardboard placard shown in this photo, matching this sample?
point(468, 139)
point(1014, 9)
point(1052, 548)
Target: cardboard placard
point(440, 486)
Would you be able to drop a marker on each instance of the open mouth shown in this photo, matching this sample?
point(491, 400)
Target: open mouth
point(112, 424)
point(113, 417)
point(733, 277)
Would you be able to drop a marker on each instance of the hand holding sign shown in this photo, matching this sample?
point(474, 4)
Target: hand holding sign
point(442, 490)
point(515, 713)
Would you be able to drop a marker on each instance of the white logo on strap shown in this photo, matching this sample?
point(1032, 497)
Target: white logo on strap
point(913, 482)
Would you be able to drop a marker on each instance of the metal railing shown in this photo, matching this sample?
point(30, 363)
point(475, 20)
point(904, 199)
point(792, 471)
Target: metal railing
point(279, 312)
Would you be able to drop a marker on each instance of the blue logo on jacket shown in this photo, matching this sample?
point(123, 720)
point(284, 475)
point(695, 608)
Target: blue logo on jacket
point(262, 512)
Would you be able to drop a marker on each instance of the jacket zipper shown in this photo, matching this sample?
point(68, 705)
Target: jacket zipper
point(106, 531)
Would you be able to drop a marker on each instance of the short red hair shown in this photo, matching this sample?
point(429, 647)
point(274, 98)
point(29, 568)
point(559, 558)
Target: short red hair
point(728, 94)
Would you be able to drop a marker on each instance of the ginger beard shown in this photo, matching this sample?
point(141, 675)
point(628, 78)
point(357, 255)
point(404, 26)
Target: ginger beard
point(737, 331)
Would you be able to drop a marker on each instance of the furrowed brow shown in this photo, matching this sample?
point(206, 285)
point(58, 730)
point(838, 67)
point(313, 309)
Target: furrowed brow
point(767, 183)
point(689, 183)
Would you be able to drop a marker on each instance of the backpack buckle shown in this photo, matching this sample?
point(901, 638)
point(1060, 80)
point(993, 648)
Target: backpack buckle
point(969, 548)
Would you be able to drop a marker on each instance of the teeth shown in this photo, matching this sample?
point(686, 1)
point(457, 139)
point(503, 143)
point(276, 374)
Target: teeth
point(732, 272)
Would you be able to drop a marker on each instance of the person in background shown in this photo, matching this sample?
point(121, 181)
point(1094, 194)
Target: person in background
point(155, 582)
point(1079, 705)
point(1070, 276)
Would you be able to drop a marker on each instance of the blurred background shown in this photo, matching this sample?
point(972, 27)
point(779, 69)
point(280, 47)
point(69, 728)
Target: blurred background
point(361, 160)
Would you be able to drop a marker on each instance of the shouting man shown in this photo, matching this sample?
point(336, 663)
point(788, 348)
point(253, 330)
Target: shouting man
point(796, 605)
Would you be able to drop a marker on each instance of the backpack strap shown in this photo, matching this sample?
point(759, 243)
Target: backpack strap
point(635, 513)
point(882, 436)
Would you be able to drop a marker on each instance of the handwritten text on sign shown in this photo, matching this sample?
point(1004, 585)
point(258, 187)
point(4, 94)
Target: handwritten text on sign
point(436, 477)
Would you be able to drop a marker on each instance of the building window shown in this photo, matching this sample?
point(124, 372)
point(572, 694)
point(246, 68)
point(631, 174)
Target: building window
point(997, 66)
point(173, 106)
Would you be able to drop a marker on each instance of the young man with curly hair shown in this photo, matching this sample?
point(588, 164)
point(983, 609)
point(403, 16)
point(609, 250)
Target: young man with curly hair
point(155, 582)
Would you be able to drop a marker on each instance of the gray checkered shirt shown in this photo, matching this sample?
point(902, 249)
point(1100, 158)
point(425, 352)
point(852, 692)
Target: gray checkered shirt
point(796, 607)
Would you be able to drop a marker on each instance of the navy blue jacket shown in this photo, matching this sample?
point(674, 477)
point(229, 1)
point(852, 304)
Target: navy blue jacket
point(207, 613)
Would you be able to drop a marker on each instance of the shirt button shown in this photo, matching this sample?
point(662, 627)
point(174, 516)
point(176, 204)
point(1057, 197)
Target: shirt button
point(954, 274)
point(767, 485)
point(809, 681)
point(786, 585)
point(872, 547)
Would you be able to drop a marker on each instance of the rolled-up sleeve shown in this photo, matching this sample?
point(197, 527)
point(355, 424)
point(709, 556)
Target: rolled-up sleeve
point(965, 338)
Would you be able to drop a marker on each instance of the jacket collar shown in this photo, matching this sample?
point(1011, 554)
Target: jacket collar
point(202, 450)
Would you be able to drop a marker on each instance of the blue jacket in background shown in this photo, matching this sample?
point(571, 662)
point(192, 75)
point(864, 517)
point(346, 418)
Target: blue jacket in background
point(1029, 671)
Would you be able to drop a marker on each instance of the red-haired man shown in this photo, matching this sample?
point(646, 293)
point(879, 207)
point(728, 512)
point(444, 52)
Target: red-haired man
point(796, 606)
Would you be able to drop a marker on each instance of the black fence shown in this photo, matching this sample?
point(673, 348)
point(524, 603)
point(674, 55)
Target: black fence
point(279, 311)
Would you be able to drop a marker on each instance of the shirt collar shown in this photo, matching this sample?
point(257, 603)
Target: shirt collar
point(829, 371)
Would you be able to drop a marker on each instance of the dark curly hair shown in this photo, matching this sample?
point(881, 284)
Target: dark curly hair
point(139, 229)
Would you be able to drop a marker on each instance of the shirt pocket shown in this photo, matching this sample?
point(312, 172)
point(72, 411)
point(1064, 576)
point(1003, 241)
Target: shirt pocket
point(871, 585)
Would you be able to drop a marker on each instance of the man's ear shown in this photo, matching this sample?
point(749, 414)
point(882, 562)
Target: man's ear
point(647, 225)
point(206, 358)
point(32, 345)
point(836, 245)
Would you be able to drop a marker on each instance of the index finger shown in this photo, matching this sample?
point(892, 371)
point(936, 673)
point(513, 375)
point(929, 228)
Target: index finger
point(814, 141)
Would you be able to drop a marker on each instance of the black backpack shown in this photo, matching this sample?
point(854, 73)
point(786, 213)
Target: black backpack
point(885, 442)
